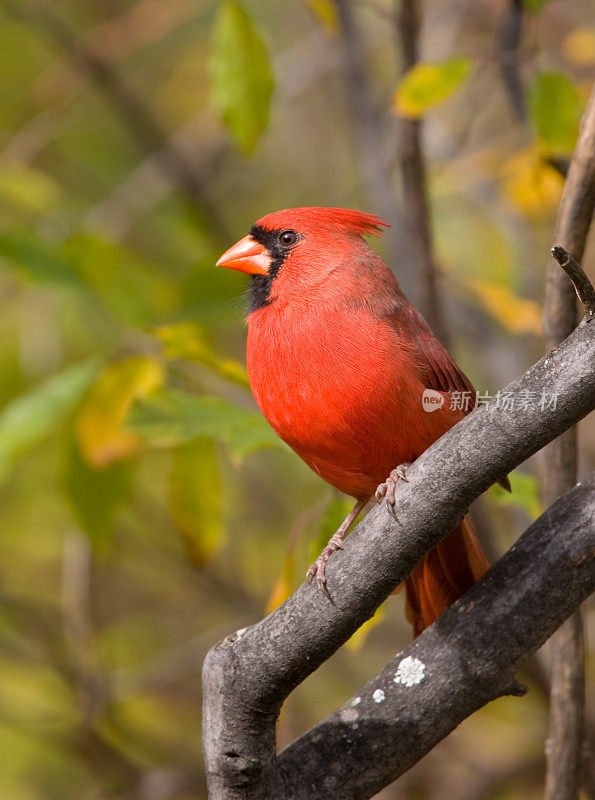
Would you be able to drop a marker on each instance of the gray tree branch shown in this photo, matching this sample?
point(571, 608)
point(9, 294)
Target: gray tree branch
point(458, 665)
point(247, 676)
point(567, 696)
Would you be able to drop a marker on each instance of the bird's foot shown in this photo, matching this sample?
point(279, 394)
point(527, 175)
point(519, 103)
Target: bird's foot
point(387, 489)
point(335, 543)
point(318, 568)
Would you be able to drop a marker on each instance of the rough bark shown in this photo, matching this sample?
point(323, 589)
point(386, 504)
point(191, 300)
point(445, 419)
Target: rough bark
point(462, 662)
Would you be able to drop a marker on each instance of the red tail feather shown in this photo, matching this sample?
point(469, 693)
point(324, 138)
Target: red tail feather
point(443, 575)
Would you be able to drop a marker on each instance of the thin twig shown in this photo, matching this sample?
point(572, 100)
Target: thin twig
point(582, 285)
point(507, 51)
point(564, 745)
point(369, 129)
point(574, 219)
point(413, 175)
point(565, 735)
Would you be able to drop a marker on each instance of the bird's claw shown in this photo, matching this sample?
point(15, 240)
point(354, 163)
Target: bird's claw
point(387, 489)
point(318, 568)
point(380, 492)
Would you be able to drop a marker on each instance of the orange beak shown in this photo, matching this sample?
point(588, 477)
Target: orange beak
point(248, 256)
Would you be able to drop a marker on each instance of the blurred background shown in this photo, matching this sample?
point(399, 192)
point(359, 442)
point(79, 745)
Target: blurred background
point(147, 510)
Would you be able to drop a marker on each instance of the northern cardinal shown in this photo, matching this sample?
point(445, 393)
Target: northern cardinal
point(338, 361)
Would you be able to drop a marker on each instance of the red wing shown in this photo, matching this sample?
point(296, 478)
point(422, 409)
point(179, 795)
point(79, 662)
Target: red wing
point(439, 370)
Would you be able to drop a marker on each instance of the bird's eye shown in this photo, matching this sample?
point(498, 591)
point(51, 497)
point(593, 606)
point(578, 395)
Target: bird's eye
point(288, 238)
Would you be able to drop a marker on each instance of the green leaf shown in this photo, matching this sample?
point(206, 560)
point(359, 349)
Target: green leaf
point(168, 417)
point(534, 6)
point(128, 286)
point(95, 494)
point(241, 75)
point(195, 498)
point(427, 84)
point(37, 260)
point(32, 416)
point(525, 493)
point(555, 110)
point(189, 340)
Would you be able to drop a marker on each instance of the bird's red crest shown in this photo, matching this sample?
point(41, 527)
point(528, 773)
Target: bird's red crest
point(342, 219)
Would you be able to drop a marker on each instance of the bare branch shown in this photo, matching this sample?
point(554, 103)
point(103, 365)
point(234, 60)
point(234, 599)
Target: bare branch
point(567, 699)
point(574, 219)
point(248, 675)
point(462, 662)
point(373, 156)
point(582, 285)
point(564, 744)
point(507, 52)
point(416, 209)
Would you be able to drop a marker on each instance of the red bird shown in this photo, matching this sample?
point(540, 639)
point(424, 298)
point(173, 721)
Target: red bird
point(338, 361)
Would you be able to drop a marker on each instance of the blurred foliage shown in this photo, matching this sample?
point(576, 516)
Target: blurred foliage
point(188, 340)
point(196, 498)
point(557, 133)
point(242, 80)
point(169, 417)
point(531, 183)
point(525, 493)
point(98, 427)
point(426, 85)
point(147, 507)
point(35, 413)
point(515, 314)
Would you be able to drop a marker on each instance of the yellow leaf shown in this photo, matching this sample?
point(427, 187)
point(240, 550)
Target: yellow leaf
point(326, 12)
point(427, 84)
point(99, 432)
point(579, 46)
point(190, 341)
point(283, 584)
point(195, 498)
point(29, 188)
point(531, 184)
point(358, 639)
point(516, 314)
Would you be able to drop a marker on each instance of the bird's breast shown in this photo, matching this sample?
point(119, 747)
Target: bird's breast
point(339, 392)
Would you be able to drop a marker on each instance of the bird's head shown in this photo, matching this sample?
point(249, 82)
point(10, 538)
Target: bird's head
point(290, 252)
